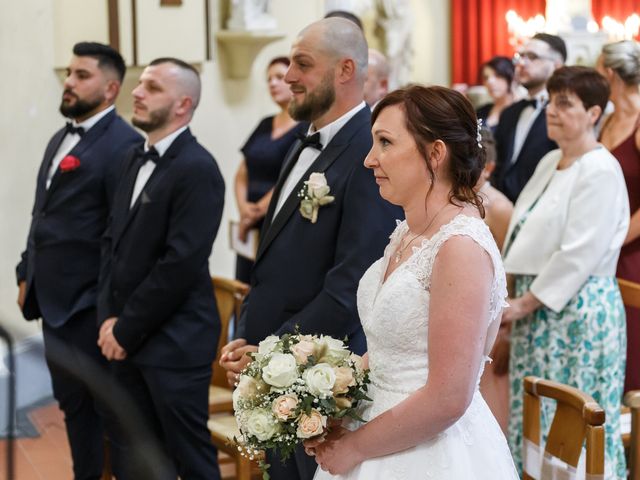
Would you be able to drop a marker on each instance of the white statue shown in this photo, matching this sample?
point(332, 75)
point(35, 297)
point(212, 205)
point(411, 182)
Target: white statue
point(396, 21)
point(250, 15)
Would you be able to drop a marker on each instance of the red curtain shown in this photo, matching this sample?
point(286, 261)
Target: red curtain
point(479, 31)
point(617, 9)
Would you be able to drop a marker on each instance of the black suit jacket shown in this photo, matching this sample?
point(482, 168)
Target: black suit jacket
point(62, 258)
point(155, 273)
point(307, 274)
point(510, 178)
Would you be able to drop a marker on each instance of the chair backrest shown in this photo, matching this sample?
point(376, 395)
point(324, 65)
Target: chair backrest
point(632, 400)
point(578, 418)
point(229, 296)
point(630, 292)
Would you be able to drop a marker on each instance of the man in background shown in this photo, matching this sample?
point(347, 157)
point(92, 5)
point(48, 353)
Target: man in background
point(521, 135)
point(58, 273)
point(376, 86)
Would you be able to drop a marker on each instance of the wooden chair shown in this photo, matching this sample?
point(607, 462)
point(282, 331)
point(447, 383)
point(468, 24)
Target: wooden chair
point(578, 417)
point(630, 292)
point(229, 296)
point(631, 437)
point(222, 423)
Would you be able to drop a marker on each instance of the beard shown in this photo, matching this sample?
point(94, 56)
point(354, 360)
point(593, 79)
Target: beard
point(80, 107)
point(157, 119)
point(316, 103)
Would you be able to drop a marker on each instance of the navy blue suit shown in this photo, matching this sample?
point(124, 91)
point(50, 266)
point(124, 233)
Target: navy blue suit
point(155, 278)
point(510, 178)
point(60, 267)
point(307, 274)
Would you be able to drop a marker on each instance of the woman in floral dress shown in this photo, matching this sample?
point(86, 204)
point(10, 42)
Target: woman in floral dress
point(562, 248)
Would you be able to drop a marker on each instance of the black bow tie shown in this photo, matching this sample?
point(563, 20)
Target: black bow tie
point(312, 141)
point(534, 102)
point(70, 129)
point(151, 154)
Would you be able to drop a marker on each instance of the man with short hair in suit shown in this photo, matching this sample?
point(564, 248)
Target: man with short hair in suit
point(58, 273)
point(159, 321)
point(521, 135)
point(306, 273)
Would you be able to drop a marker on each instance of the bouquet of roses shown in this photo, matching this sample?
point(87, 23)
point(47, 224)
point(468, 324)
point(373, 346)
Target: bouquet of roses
point(293, 386)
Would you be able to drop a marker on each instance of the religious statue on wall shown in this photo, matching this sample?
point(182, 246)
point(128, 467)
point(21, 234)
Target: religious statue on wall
point(396, 22)
point(250, 15)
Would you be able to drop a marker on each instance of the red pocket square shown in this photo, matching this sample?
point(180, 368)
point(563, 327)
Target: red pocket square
point(69, 163)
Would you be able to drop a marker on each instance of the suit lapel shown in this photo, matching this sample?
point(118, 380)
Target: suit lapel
point(287, 166)
point(88, 139)
point(538, 127)
point(125, 214)
point(329, 155)
point(54, 145)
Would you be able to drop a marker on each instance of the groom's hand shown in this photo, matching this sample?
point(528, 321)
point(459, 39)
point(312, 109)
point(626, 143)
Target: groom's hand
point(234, 358)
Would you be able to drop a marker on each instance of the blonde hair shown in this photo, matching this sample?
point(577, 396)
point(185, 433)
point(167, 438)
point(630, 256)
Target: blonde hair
point(623, 58)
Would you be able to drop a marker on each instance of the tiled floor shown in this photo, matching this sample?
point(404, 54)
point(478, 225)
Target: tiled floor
point(47, 457)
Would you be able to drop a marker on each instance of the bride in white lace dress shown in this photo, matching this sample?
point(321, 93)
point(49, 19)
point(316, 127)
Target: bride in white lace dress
point(430, 307)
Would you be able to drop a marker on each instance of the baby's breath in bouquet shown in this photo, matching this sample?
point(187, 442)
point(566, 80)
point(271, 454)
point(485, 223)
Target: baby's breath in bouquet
point(292, 387)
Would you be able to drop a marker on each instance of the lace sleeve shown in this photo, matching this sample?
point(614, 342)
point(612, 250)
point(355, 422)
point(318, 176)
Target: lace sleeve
point(421, 263)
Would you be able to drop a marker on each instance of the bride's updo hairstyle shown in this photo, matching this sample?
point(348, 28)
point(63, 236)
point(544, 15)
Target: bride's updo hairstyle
point(439, 113)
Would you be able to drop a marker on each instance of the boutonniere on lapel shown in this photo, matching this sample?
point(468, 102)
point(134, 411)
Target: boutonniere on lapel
point(314, 194)
point(69, 163)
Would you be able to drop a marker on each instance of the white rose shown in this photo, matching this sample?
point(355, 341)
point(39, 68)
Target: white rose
point(320, 379)
point(247, 389)
point(302, 350)
point(261, 424)
point(317, 185)
point(311, 425)
point(284, 406)
point(268, 345)
point(358, 363)
point(281, 371)
point(334, 350)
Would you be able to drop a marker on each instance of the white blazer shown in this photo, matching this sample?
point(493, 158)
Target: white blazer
point(574, 231)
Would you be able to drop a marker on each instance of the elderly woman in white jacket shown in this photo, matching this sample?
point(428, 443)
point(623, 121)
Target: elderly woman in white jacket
point(562, 247)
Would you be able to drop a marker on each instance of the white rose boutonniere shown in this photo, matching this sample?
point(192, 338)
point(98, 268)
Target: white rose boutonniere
point(314, 194)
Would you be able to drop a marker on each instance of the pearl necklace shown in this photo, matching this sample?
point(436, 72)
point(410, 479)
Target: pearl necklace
point(398, 255)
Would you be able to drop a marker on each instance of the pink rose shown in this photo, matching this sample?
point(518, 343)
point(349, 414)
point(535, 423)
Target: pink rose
point(344, 380)
point(311, 425)
point(284, 406)
point(302, 350)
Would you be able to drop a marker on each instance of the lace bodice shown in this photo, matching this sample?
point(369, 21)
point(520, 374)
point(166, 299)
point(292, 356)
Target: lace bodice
point(395, 313)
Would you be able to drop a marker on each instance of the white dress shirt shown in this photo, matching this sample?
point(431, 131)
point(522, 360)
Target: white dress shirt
point(70, 140)
point(309, 155)
point(575, 230)
point(149, 166)
point(527, 116)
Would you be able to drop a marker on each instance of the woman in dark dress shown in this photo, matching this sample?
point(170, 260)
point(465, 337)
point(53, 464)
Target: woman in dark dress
point(620, 65)
point(497, 77)
point(264, 153)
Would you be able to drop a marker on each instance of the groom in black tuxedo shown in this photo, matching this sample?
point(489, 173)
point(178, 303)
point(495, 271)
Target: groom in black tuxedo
point(159, 321)
point(306, 274)
point(58, 273)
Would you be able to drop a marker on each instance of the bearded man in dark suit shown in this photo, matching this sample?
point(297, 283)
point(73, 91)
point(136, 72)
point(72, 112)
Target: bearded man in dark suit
point(58, 273)
point(159, 322)
point(309, 263)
